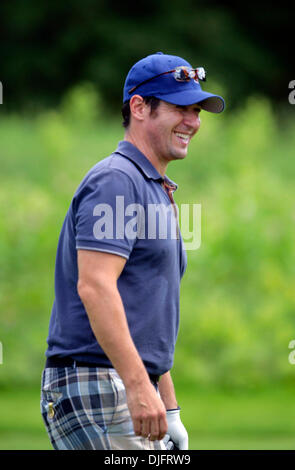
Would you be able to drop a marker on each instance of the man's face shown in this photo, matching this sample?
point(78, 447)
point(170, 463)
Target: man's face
point(170, 128)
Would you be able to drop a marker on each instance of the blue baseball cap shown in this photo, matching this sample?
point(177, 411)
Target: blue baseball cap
point(148, 77)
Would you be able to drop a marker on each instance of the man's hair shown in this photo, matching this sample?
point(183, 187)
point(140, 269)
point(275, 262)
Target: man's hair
point(150, 100)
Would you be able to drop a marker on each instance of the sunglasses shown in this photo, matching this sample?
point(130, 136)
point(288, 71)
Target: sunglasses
point(181, 74)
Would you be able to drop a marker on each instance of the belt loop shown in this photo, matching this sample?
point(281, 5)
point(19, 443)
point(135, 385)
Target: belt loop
point(74, 364)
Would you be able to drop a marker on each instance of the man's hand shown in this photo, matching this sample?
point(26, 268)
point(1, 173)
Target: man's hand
point(147, 411)
point(176, 429)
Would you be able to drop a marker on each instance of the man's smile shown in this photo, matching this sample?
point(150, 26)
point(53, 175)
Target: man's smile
point(184, 137)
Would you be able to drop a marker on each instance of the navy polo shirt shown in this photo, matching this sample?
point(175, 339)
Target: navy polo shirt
point(110, 212)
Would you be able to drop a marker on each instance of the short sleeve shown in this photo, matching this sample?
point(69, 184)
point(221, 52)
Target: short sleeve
point(100, 213)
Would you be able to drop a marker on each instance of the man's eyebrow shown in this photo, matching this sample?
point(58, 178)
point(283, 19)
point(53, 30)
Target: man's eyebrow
point(183, 106)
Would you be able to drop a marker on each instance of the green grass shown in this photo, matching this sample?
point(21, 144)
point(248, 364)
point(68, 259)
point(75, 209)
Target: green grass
point(216, 420)
point(235, 420)
point(21, 425)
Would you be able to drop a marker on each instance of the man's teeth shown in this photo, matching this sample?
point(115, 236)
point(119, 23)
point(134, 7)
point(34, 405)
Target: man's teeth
point(182, 136)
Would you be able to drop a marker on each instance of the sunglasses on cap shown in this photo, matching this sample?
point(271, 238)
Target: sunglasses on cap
point(181, 74)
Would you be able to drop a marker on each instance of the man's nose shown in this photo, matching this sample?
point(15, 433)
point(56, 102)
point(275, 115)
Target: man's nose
point(192, 119)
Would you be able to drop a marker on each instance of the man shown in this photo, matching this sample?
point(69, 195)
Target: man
point(114, 322)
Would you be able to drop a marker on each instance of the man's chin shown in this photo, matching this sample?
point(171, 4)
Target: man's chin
point(180, 155)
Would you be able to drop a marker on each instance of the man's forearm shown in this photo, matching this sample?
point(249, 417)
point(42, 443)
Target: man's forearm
point(167, 392)
point(108, 321)
point(176, 430)
point(109, 324)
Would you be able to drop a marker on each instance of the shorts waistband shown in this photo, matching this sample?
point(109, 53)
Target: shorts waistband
point(56, 361)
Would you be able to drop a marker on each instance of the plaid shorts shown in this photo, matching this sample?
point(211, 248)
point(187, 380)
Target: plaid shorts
point(85, 408)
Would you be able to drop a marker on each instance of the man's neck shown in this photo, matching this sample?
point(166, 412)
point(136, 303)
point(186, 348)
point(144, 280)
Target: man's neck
point(160, 166)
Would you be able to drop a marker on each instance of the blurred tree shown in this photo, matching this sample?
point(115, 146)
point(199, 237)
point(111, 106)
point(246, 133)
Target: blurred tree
point(47, 47)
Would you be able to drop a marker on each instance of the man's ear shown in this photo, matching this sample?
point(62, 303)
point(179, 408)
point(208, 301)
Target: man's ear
point(138, 107)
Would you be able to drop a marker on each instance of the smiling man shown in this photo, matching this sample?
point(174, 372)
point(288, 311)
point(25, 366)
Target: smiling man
point(165, 133)
point(115, 317)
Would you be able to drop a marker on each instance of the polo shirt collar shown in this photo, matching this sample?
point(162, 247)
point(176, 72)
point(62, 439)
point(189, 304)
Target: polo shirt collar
point(128, 150)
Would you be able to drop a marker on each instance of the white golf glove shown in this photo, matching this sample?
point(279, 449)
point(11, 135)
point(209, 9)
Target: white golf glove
point(176, 429)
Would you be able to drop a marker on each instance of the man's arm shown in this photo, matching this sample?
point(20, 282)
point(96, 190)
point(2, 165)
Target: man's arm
point(167, 392)
point(176, 429)
point(97, 288)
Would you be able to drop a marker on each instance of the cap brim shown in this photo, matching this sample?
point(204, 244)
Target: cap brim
point(207, 101)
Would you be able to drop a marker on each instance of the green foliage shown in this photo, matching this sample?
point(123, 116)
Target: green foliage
point(237, 296)
point(51, 46)
point(81, 105)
